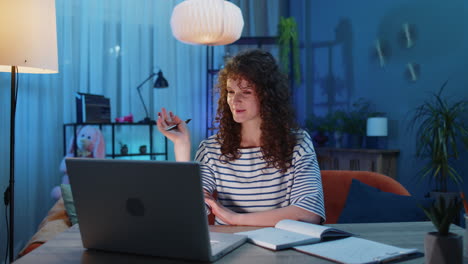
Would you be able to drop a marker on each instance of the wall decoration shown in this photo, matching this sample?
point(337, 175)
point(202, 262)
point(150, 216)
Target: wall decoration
point(381, 52)
point(412, 71)
point(407, 35)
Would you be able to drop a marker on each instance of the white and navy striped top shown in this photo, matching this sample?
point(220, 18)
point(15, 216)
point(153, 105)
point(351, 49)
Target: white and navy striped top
point(246, 185)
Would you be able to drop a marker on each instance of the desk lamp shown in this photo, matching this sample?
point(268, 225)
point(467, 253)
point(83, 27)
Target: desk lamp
point(377, 132)
point(28, 45)
point(160, 82)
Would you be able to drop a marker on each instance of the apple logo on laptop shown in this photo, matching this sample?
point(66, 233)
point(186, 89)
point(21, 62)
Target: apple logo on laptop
point(135, 207)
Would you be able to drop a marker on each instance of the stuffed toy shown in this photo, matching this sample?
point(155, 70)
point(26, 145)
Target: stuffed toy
point(89, 143)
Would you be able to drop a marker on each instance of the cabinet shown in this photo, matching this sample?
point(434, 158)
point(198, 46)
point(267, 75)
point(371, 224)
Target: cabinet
point(383, 161)
point(215, 61)
point(114, 129)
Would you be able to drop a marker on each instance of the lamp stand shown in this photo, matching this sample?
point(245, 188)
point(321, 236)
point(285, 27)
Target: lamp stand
point(9, 195)
point(147, 119)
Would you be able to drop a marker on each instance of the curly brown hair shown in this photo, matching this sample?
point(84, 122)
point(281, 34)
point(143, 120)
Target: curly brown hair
point(277, 141)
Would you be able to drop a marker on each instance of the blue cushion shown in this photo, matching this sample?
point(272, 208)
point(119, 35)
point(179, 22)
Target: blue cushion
point(366, 204)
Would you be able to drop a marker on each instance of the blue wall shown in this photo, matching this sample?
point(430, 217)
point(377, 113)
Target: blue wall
point(441, 50)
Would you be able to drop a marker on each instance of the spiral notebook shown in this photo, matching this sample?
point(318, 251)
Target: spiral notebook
point(353, 250)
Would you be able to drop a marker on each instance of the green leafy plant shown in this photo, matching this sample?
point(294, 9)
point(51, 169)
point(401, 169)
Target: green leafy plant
point(333, 121)
point(356, 119)
point(440, 129)
point(337, 118)
point(289, 39)
point(442, 214)
point(322, 124)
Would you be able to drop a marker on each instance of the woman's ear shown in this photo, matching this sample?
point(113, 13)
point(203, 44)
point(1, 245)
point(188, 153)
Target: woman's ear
point(99, 146)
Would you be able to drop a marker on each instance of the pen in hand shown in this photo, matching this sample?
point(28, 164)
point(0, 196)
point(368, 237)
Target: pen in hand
point(174, 126)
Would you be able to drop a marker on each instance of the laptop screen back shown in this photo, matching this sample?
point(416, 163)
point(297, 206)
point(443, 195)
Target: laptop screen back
point(144, 207)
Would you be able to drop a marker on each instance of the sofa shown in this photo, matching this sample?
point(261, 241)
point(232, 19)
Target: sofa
point(336, 186)
point(55, 222)
point(337, 183)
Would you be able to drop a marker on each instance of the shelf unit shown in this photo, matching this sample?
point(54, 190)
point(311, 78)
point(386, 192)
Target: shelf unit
point(212, 95)
point(383, 161)
point(113, 126)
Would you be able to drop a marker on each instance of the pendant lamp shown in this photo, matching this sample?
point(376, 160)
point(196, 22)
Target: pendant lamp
point(207, 22)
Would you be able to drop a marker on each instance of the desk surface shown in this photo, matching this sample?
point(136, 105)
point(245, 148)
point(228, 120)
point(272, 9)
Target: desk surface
point(67, 247)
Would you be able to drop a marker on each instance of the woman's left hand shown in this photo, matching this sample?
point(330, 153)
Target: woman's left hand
point(227, 216)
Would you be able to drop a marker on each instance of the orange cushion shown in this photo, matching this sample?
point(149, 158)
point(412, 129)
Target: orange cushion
point(30, 248)
point(54, 223)
point(336, 184)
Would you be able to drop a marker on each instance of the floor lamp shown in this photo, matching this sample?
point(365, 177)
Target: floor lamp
point(28, 44)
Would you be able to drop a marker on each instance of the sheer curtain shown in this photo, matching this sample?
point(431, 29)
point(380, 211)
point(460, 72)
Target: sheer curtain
point(261, 17)
point(105, 47)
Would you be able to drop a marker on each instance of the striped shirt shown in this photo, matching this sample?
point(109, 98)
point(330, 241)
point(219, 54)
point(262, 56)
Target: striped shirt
point(246, 185)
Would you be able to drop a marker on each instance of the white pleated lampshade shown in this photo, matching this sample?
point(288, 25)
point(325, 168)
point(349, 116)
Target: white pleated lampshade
point(208, 22)
point(28, 36)
point(233, 24)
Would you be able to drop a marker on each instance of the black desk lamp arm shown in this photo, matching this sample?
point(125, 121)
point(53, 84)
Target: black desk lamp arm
point(139, 92)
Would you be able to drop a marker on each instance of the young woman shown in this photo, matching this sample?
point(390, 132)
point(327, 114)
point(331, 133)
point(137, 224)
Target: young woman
point(261, 165)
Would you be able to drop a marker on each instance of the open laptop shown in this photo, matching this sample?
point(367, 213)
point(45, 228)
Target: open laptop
point(145, 207)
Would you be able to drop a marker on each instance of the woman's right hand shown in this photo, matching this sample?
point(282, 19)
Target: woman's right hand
point(180, 135)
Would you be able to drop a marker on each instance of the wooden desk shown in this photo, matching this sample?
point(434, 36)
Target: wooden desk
point(383, 161)
point(67, 247)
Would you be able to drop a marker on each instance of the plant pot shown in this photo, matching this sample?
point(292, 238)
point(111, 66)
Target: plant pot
point(338, 136)
point(320, 139)
point(354, 141)
point(443, 249)
point(142, 149)
point(124, 150)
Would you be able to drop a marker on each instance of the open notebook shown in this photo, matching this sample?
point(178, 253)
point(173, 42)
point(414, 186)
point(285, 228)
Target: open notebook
point(326, 242)
point(289, 233)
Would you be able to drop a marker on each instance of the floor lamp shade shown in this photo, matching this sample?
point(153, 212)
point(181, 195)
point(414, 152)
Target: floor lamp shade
point(208, 22)
point(28, 36)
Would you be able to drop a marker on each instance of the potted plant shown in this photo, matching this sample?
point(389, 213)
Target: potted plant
point(440, 136)
point(443, 247)
point(355, 121)
point(288, 41)
point(355, 127)
point(337, 119)
point(330, 125)
point(318, 127)
point(123, 149)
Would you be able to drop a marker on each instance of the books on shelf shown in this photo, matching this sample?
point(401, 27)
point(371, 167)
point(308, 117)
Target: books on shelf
point(289, 233)
point(92, 108)
point(326, 242)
